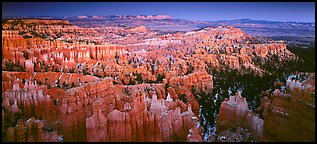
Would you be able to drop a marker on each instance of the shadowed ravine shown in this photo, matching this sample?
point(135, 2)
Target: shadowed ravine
point(228, 82)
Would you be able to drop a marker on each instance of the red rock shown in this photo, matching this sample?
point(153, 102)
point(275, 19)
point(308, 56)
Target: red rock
point(109, 109)
point(235, 113)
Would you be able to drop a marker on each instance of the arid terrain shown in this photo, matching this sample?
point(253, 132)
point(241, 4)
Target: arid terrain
point(63, 81)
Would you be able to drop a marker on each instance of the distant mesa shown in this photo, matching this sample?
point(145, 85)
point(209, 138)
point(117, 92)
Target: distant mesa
point(153, 17)
point(82, 17)
point(97, 17)
point(141, 17)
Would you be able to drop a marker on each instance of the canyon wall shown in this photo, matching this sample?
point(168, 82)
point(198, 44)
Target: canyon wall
point(285, 116)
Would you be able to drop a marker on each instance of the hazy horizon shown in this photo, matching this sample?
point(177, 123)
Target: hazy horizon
point(168, 15)
point(200, 11)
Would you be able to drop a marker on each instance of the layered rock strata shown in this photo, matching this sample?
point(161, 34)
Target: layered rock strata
point(292, 110)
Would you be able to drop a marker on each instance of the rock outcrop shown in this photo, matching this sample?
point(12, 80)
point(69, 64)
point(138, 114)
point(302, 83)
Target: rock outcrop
point(28, 103)
point(200, 80)
point(32, 130)
point(293, 112)
point(141, 119)
point(286, 116)
point(235, 113)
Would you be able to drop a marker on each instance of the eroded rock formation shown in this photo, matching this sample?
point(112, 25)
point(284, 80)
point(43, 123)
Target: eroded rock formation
point(122, 83)
point(127, 113)
point(286, 116)
point(293, 112)
point(31, 130)
point(235, 113)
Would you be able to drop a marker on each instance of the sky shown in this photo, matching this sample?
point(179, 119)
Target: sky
point(204, 11)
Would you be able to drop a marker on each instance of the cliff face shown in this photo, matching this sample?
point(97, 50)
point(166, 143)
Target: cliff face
point(235, 113)
point(19, 104)
point(29, 101)
point(32, 130)
point(293, 112)
point(54, 52)
point(200, 80)
point(47, 79)
point(287, 116)
point(139, 125)
point(51, 29)
point(125, 113)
